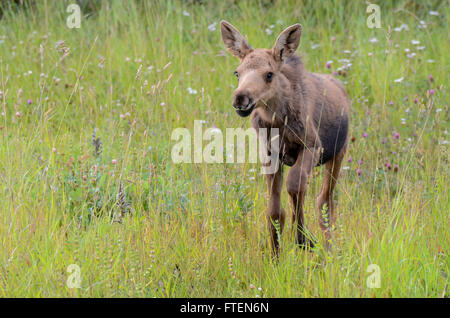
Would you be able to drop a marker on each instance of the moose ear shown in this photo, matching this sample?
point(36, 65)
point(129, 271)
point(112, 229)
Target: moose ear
point(287, 42)
point(234, 41)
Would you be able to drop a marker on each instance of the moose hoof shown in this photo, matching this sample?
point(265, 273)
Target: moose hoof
point(305, 243)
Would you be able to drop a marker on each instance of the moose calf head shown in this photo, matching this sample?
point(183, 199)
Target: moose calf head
point(259, 71)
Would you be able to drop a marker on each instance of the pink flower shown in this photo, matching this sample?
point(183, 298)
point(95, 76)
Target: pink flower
point(397, 135)
point(365, 135)
point(431, 91)
point(431, 78)
point(358, 171)
point(29, 101)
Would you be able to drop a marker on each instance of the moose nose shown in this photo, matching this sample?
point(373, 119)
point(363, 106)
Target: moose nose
point(242, 101)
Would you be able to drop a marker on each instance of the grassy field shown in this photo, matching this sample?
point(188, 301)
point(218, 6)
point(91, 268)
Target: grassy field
point(85, 155)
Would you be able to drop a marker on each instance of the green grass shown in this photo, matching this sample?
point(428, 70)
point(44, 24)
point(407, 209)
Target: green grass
point(198, 230)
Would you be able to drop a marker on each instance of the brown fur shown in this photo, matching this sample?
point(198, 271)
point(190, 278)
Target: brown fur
point(312, 113)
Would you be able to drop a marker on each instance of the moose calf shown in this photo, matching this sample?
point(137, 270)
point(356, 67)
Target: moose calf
point(311, 112)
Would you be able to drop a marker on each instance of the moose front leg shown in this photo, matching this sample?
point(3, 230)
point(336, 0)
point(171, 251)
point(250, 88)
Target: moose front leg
point(296, 184)
point(275, 214)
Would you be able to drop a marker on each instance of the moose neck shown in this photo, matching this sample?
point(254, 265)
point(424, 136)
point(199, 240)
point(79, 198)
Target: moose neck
point(275, 110)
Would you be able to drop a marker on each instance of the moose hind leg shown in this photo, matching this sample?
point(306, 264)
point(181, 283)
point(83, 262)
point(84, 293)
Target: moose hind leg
point(325, 202)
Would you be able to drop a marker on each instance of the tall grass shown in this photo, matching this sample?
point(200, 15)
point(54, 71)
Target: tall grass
point(87, 177)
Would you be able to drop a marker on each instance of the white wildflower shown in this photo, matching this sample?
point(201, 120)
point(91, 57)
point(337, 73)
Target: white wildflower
point(191, 91)
point(212, 26)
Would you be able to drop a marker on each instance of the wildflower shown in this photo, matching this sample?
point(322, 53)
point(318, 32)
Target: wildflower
point(29, 101)
point(359, 162)
point(54, 150)
point(383, 141)
point(328, 65)
point(431, 91)
point(365, 135)
point(388, 165)
point(401, 28)
point(398, 80)
point(358, 171)
point(212, 27)
point(349, 159)
point(397, 135)
point(431, 78)
point(391, 103)
point(114, 161)
point(252, 286)
point(395, 168)
point(191, 91)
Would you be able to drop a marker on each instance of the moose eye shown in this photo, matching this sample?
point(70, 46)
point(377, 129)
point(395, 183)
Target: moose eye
point(269, 76)
point(236, 74)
